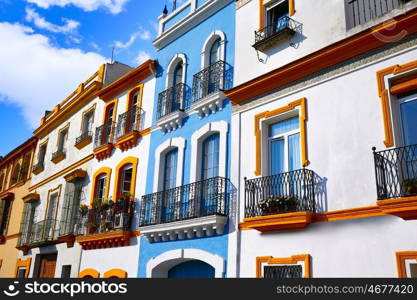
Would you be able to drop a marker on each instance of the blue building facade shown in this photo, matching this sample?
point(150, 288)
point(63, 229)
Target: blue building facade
point(186, 212)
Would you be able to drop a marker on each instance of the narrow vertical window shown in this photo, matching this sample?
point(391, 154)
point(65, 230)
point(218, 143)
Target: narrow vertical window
point(100, 187)
point(125, 179)
point(210, 157)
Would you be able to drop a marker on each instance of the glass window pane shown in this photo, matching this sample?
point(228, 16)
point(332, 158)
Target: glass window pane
point(284, 126)
point(409, 122)
point(294, 156)
point(210, 166)
point(277, 156)
point(170, 176)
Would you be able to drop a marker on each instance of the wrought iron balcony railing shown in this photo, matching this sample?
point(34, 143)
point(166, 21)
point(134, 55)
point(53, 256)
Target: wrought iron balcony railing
point(58, 153)
point(43, 232)
point(282, 28)
point(104, 135)
point(171, 100)
point(282, 193)
point(107, 217)
point(199, 199)
point(362, 11)
point(278, 272)
point(396, 172)
point(209, 80)
point(84, 136)
point(129, 121)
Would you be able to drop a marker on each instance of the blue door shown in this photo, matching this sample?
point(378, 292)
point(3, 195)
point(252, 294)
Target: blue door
point(170, 180)
point(192, 269)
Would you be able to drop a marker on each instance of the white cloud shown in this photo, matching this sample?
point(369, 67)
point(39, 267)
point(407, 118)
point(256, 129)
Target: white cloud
point(70, 26)
point(113, 6)
point(141, 57)
point(143, 34)
point(37, 75)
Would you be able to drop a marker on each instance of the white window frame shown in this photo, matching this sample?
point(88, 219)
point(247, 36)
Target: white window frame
point(205, 52)
point(178, 58)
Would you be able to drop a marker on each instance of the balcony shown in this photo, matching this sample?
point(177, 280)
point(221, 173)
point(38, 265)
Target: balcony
point(83, 140)
point(273, 34)
point(103, 141)
point(396, 181)
point(58, 156)
point(208, 87)
point(194, 210)
point(106, 225)
point(38, 167)
point(170, 111)
point(362, 11)
point(128, 128)
point(282, 201)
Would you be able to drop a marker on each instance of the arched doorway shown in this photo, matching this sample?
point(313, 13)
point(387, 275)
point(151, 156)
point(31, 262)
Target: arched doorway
point(192, 269)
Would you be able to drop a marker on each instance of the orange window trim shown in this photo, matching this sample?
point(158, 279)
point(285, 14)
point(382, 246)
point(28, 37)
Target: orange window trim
point(103, 170)
point(262, 12)
point(23, 264)
point(131, 93)
point(128, 160)
point(106, 107)
point(401, 258)
point(89, 272)
point(115, 273)
point(268, 114)
point(383, 93)
point(305, 258)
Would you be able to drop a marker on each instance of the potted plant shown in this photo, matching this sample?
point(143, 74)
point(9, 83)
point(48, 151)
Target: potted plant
point(410, 186)
point(83, 209)
point(291, 203)
point(271, 205)
point(96, 203)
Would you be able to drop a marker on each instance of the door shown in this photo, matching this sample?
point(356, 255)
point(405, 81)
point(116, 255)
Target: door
point(210, 169)
point(170, 180)
point(192, 269)
point(47, 266)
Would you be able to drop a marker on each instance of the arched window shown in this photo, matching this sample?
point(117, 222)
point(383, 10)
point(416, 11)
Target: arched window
point(100, 184)
point(15, 174)
point(109, 114)
point(210, 157)
point(215, 51)
point(125, 180)
point(177, 78)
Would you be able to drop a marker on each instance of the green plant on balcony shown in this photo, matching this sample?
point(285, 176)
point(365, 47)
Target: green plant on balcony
point(410, 186)
point(278, 204)
point(83, 209)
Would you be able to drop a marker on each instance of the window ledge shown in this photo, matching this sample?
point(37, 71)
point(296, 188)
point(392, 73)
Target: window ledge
point(198, 227)
point(113, 239)
point(171, 122)
point(297, 220)
point(127, 141)
point(405, 208)
point(208, 104)
point(38, 170)
point(103, 151)
point(58, 158)
point(84, 142)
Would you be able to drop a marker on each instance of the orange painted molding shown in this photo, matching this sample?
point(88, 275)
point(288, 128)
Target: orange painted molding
point(112, 239)
point(31, 197)
point(300, 220)
point(23, 264)
point(103, 152)
point(76, 174)
point(383, 93)
point(89, 273)
point(401, 258)
point(405, 208)
point(84, 142)
point(289, 221)
point(404, 87)
point(128, 80)
point(128, 141)
point(305, 258)
point(118, 273)
point(302, 103)
point(329, 56)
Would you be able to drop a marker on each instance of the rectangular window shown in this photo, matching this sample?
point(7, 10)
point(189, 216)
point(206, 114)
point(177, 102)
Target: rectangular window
point(66, 271)
point(277, 15)
point(21, 272)
point(284, 146)
point(42, 153)
point(5, 206)
point(88, 120)
point(62, 141)
point(27, 222)
point(279, 272)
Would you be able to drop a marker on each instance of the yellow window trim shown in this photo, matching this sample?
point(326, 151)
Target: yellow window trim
point(306, 258)
point(23, 264)
point(128, 160)
point(262, 12)
point(89, 272)
point(107, 171)
point(383, 94)
point(131, 92)
point(401, 258)
point(115, 101)
point(268, 114)
point(115, 273)
point(88, 110)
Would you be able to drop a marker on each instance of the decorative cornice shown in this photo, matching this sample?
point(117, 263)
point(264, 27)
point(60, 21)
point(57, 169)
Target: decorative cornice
point(76, 175)
point(113, 239)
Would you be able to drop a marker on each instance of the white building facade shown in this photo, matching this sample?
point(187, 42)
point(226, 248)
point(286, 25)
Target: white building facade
point(315, 93)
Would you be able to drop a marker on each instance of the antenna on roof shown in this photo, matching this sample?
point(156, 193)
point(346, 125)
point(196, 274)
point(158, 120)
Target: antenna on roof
point(112, 55)
point(174, 5)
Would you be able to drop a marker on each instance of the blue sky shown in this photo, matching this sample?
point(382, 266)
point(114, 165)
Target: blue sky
point(50, 46)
